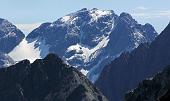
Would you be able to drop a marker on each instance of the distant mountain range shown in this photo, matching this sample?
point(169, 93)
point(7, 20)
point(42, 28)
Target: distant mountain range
point(10, 37)
point(47, 79)
point(125, 72)
point(90, 39)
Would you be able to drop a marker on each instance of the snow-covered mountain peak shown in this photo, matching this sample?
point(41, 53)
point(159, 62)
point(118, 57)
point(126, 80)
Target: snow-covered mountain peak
point(96, 13)
point(6, 26)
point(85, 15)
point(89, 39)
point(100, 12)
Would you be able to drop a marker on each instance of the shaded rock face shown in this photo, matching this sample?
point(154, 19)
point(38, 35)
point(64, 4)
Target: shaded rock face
point(125, 72)
point(47, 79)
point(10, 36)
point(165, 97)
point(89, 39)
point(152, 89)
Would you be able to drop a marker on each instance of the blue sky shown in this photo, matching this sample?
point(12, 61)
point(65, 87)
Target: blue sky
point(28, 14)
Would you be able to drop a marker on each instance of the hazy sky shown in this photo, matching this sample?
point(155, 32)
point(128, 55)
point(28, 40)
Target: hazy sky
point(28, 14)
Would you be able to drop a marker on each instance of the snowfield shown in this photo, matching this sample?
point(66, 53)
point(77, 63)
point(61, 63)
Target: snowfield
point(28, 51)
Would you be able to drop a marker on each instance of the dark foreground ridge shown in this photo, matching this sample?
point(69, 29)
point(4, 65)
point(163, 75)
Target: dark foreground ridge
point(47, 79)
point(153, 89)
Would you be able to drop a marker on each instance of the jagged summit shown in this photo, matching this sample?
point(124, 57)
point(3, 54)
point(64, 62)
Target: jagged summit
point(127, 18)
point(47, 79)
point(83, 9)
point(90, 39)
point(125, 15)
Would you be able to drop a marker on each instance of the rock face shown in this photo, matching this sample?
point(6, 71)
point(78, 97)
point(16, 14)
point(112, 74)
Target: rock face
point(47, 79)
point(165, 97)
point(10, 37)
point(5, 60)
point(152, 89)
point(125, 72)
point(89, 39)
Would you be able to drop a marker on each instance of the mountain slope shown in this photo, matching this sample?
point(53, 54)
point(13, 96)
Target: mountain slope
point(153, 89)
point(5, 60)
point(89, 39)
point(10, 37)
point(125, 72)
point(47, 79)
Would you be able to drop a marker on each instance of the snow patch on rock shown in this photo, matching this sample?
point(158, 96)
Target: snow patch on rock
point(85, 52)
point(10, 34)
point(95, 13)
point(65, 18)
point(138, 38)
point(84, 72)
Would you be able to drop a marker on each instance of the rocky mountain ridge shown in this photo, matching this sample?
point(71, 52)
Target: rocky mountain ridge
point(48, 79)
point(90, 39)
point(125, 72)
point(10, 37)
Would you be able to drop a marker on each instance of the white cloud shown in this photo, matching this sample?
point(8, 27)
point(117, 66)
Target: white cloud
point(143, 15)
point(149, 13)
point(165, 13)
point(159, 14)
point(27, 28)
point(141, 8)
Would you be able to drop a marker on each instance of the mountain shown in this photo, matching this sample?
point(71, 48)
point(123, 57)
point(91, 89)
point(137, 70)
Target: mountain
point(10, 37)
point(5, 60)
point(152, 89)
point(90, 39)
point(48, 79)
point(125, 72)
